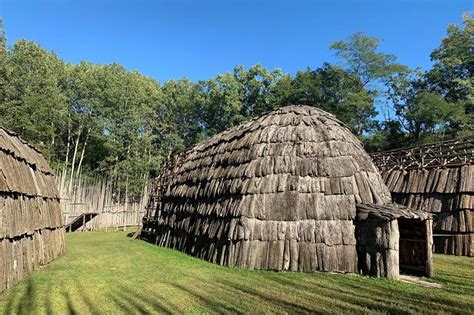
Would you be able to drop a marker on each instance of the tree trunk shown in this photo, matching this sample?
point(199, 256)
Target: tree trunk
point(66, 160)
point(82, 153)
point(53, 136)
point(126, 191)
point(74, 159)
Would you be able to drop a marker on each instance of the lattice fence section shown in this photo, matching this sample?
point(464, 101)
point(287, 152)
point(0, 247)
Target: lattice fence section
point(452, 153)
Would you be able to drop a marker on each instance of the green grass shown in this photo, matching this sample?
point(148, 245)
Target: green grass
point(109, 273)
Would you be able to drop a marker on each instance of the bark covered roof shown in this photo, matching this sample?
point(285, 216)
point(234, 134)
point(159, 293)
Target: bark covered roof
point(295, 163)
point(389, 212)
point(23, 169)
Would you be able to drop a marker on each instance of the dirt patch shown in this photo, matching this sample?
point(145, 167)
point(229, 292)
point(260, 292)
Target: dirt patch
point(419, 281)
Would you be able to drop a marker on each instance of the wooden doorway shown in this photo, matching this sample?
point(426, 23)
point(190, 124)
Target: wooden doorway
point(415, 247)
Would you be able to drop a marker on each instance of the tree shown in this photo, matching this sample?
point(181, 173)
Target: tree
point(361, 58)
point(33, 105)
point(282, 91)
point(387, 135)
point(81, 86)
point(424, 115)
point(231, 98)
point(179, 115)
point(258, 84)
point(332, 89)
point(127, 102)
point(452, 75)
point(223, 108)
point(3, 39)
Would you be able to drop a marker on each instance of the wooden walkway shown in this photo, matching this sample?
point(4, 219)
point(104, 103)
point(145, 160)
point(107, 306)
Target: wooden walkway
point(80, 221)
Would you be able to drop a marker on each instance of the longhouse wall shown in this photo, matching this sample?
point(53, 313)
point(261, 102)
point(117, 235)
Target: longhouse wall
point(31, 223)
point(447, 193)
point(278, 192)
point(437, 178)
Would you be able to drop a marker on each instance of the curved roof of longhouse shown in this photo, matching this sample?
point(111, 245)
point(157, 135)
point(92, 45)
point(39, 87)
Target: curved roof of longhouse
point(23, 169)
point(294, 163)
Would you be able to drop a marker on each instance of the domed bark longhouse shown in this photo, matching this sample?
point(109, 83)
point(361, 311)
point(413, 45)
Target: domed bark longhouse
point(31, 222)
point(280, 192)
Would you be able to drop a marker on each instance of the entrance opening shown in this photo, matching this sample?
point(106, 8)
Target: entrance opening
point(413, 248)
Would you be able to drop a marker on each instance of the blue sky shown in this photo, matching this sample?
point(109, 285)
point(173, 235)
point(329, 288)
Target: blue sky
point(199, 39)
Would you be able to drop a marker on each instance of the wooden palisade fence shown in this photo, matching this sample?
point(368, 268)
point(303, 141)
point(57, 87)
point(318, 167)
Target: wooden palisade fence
point(438, 178)
point(97, 201)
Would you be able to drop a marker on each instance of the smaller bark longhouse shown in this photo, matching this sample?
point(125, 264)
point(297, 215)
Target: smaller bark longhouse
point(290, 190)
point(437, 178)
point(31, 222)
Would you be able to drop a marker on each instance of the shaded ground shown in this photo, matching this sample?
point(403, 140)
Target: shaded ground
point(108, 273)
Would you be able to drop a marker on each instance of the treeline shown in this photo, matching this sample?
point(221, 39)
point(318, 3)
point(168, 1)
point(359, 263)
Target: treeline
point(102, 120)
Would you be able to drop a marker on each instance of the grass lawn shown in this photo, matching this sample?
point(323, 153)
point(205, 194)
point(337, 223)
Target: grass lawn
point(109, 273)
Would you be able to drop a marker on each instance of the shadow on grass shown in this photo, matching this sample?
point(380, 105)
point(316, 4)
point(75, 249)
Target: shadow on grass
point(70, 306)
point(221, 294)
point(22, 303)
point(132, 301)
point(227, 290)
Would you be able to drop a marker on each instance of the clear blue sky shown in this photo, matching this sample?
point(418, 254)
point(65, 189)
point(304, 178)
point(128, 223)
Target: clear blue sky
point(198, 39)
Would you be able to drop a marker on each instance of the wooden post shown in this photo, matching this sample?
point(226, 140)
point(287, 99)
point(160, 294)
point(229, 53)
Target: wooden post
point(125, 218)
point(429, 247)
point(392, 260)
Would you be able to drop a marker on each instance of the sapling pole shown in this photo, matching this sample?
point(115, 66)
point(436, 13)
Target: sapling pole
point(82, 153)
point(74, 158)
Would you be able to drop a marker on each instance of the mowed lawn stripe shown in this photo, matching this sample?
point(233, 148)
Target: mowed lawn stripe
point(106, 272)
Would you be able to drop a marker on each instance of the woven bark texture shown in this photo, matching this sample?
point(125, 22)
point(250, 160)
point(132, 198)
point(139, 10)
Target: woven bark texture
point(447, 193)
point(277, 192)
point(31, 222)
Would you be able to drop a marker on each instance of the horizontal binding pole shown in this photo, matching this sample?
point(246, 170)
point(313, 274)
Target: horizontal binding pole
point(427, 167)
point(412, 240)
point(445, 143)
point(459, 234)
point(412, 267)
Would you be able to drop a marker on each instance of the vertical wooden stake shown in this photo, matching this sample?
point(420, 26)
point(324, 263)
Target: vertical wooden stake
point(429, 247)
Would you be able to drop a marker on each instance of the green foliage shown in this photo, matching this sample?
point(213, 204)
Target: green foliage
point(33, 103)
point(438, 104)
point(360, 56)
point(332, 89)
point(418, 111)
point(452, 74)
point(103, 120)
point(435, 105)
point(128, 100)
point(371, 69)
point(387, 135)
point(258, 88)
point(3, 39)
point(231, 98)
point(178, 115)
point(223, 104)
